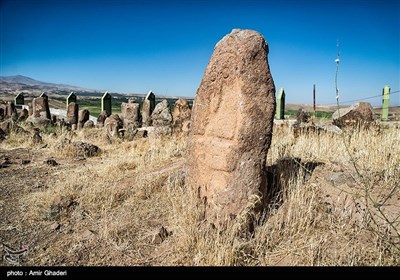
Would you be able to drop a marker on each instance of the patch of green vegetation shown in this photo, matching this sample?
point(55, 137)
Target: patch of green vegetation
point(318, 114)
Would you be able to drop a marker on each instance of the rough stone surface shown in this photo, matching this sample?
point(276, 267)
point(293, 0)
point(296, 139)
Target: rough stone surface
point(88, 124)
point(112, 125)
point(360, 113)
point(23, 115)
point(232, 122)
point(181, 116)
point(11, 111)
point(302, 116)
point(162, 119)
point(83, 118)
point(130, 113)
point(86, 149)
point(72, 113)
point(101, 119)
point(40, 108)
point(149, 104)
point(2, 135)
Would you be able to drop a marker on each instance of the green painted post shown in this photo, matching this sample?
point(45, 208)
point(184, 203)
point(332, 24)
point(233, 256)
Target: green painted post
point(280, 105)
point(44, 95)
point(19, 100)
point(385, 103)
point(71, 98)
point(106, 103)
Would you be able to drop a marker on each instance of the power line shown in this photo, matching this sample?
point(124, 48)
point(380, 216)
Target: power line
point(361, 99)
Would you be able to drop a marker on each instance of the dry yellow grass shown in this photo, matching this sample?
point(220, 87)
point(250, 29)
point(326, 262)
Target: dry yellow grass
point(122, 196)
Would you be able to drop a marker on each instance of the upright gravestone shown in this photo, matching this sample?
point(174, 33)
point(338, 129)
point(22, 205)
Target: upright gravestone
point(181, 116)
point(280, 105)
point(83, 117)
point(162, 119)
point(72, 113)
point(385, 103)
point(149, 104)
point(71, 98)
point(11, 111)
point(19, 100)
point(106, 103)
point(130, 113)
point(232, 122)
point(40, 107)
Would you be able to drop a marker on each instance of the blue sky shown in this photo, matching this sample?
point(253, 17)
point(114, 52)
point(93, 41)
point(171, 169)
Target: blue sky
point(132, 46)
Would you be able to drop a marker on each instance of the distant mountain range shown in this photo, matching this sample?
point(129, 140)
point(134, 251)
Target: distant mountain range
point(28, 86)
point(19, 83)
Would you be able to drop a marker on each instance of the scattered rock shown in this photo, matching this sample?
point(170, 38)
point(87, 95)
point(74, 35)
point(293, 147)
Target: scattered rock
point(86, 149)
point(55, 226)
point(36, 138)
point(51, 162)
point(360, 113)
point(25, 161)
point(161, 234)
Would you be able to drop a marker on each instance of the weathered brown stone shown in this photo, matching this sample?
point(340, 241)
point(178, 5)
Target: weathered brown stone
point(232, 122)
point(101, 119)
point(83, 118)
point(112, 125)
point(162, 119)
point(72, 113)
point(149, 104)
point(88, 124)
point(130, 113)
point(40, 108)
point(11, 111)
point(181, 116)
point(360, 113)
point(23, 115)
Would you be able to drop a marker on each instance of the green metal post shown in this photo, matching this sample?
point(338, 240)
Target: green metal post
point(71, 98)
point(280, 105)
point(106, 103)
point(385, 103)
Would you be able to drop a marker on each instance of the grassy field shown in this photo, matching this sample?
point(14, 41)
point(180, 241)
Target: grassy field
point(336, 202)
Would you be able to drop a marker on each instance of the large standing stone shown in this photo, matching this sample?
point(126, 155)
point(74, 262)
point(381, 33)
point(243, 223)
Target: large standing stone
point(83, 118)
point(162, 118)
point(360, 113)
point(232, 122)
point(181, 116)
point(11, 111)
point(40, 107)
point(149, 104)
point(131, 114)
point(72, 113)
